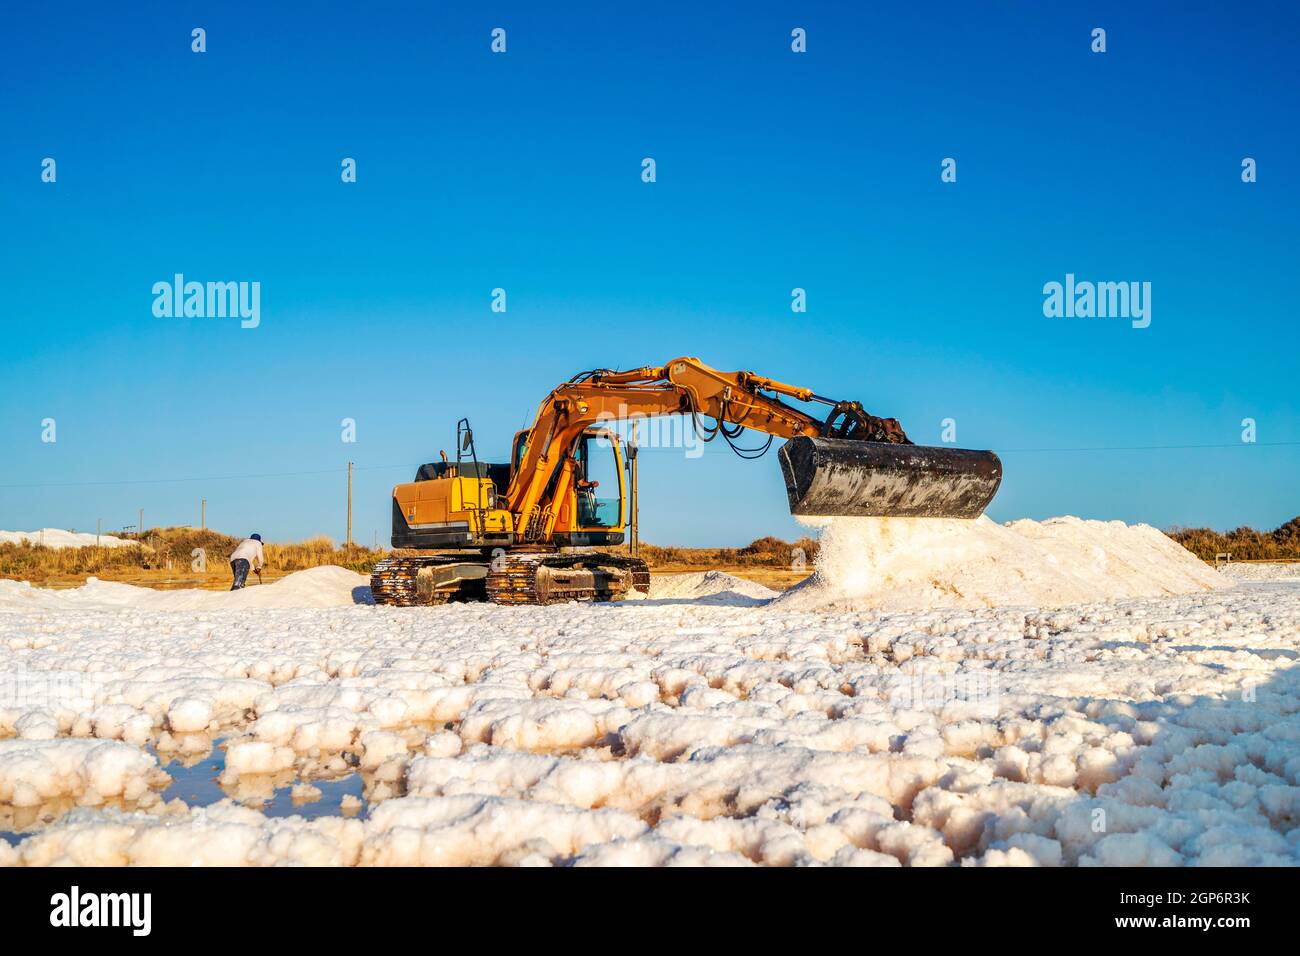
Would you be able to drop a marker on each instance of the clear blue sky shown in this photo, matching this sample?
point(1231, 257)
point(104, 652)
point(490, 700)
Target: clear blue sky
point(522, 171)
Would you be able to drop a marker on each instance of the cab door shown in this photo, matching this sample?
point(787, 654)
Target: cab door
point(598, 482)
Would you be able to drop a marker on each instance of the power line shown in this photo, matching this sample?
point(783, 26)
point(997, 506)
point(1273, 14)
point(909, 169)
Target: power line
point(644, 448)
point(1234, 444)
point(169, 481)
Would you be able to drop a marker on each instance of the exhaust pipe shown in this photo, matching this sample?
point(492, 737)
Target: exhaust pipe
point(833, 477)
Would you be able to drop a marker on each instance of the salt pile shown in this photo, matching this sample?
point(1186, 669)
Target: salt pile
point(314, 588)
point(905, 563)
point(58, 538)
point(709, 587)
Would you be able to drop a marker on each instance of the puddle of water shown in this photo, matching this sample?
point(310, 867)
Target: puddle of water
point(18, 823)
point(329, 804)
point(197, 786)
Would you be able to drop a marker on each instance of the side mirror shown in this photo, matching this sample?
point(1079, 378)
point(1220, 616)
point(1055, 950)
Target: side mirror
point(465, 442)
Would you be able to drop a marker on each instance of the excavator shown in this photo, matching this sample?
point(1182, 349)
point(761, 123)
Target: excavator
point(527, 531)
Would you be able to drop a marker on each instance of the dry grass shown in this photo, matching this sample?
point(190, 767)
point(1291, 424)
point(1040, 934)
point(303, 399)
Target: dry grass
point(1244, 544)
point(769, 561)
point(766, 552)
point(166, 558)
point(171, 558)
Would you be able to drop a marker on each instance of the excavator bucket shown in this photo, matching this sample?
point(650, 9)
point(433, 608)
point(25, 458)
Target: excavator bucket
point(834, 477)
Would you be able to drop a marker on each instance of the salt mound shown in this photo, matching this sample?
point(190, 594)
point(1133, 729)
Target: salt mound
point(709, 587)
point(903, 563)
point(313, 588)
point(34, 771)
point(58, 538)
point(328, 586)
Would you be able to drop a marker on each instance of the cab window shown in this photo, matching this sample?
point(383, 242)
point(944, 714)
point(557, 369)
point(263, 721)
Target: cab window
point(596, 483)
point(521, 440)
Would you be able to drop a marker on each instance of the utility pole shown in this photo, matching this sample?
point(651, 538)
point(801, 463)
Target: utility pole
point(349, 504)
point(203, 514)
point(140, 526)
point(634, 539)
point(98, 523)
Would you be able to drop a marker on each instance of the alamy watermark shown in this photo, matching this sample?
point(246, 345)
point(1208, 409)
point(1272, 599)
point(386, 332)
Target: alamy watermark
point(932, 689)
point(654, 431)
point(46, 690)
point(1098, 300)
point(212, 300)
point(133, 911)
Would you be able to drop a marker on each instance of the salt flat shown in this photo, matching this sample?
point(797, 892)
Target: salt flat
point(1162, 730)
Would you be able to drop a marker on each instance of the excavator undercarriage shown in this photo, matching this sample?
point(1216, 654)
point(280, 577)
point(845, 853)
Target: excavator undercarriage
point(508, 578)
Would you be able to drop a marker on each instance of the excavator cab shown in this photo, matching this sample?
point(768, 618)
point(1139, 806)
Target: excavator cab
point(598, 481)
point(517, 450)
point(592, 512)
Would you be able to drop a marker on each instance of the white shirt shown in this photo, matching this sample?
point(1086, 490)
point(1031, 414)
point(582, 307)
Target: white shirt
point(251, 551)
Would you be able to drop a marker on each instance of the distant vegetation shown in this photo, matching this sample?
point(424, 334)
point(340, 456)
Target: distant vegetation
point(165, 557)
point(170, 551)
point(1244, 544)
point(766, 552)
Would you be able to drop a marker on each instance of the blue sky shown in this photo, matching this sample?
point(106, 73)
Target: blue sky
point(775, 170)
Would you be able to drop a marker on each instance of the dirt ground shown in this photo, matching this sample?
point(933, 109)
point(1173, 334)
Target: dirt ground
point(778, 579)
point(217, 579)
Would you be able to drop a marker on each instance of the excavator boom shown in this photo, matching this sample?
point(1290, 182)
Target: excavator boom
point(849, 463)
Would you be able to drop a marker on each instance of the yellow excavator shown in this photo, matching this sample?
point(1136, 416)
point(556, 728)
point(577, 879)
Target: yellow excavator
point(523, 531)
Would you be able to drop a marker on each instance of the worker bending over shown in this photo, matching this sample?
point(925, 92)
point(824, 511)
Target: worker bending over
point(248, 554)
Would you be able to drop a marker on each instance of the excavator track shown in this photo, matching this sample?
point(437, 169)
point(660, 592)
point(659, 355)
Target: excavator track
point(520, 578)
point(396, 581)
point(557, 578)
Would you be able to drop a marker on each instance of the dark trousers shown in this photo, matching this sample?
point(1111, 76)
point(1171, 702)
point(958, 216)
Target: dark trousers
point(239, 567)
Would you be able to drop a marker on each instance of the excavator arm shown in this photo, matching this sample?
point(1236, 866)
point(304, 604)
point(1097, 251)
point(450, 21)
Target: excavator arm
point(848, 463)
